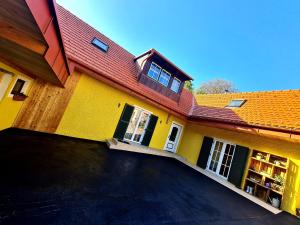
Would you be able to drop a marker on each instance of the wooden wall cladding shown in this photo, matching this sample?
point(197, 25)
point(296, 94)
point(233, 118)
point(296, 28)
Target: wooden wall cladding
point(46, 104)
point(144, 79)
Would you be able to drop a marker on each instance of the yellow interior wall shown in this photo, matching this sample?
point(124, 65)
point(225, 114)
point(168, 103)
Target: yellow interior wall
point(192, 140)
point(95, 109)
point(8, 107)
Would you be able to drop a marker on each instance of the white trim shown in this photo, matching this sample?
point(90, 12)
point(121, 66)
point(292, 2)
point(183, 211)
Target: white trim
point(178, 137)
point(4, 84)
point(220, 157)
point(175, 78)
point(136, 106)
point(166, 72)
point(24, 88)
point(158, 73)
point(136, 127)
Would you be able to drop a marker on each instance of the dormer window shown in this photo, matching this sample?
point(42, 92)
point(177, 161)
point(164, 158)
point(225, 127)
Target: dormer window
point(154, 71)
point(175, 85)
point(164, 78)
point(160, 74)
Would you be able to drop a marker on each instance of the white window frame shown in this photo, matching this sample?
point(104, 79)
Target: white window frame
point(178, 86)
point(24, 88)
point(166, 72)
point(242, 102)
point(220, 158)
point(151, 69)
point(135, 129)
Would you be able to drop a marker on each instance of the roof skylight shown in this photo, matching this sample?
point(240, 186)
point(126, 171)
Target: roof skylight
point(236, 103)
point(100, 44)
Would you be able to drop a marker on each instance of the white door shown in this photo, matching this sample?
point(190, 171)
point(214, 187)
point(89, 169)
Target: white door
point(137, 125)
point(220, 158)
point(173, 138)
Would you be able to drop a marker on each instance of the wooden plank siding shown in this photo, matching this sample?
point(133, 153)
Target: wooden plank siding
point(46, 104)
point(155, 85)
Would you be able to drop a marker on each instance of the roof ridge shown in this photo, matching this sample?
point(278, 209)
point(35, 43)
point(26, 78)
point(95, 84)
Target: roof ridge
point(95, 29)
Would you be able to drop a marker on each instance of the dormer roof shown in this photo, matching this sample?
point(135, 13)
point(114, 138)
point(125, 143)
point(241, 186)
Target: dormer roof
point(155, 52)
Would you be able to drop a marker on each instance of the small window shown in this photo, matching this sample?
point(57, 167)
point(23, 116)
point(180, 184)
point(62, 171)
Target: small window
point(236, 103)
point(154, 71)
point(100, 44)
point(175, 85)
point(17, 89)
point(164, 78)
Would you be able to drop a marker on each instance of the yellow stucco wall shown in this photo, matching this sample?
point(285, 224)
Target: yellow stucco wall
point(95, 109)
point(192, 140)
point(8, 107)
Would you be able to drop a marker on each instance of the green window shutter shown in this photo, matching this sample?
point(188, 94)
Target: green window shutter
point(204, 152)
point(238, 165)
point(149, 130)
point(123, 122)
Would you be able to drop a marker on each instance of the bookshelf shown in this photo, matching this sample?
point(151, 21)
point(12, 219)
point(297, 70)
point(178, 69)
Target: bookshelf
point(266, 176)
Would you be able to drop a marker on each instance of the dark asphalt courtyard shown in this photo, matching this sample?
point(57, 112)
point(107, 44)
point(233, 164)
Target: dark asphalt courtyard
point(49, 179)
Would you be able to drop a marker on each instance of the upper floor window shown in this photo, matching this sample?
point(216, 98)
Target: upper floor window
point(175, 85)
point(164, 78)
point(100, 44)
point(154, 71)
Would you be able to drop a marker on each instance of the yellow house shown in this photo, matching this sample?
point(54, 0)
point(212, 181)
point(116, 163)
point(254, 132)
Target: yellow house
point(94, 89)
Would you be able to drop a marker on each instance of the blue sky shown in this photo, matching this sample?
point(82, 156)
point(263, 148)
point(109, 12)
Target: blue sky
point(253, 43)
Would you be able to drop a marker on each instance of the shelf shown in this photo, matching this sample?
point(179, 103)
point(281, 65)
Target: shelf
point(258, 183)
point(262, 174)
point(263, 161)
point(256, 170)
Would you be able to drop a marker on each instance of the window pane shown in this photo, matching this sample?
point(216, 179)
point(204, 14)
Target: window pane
point(99, 44)
point(17, 89)
point(141, 126)
point(175, 85)
point(133, 123)
point(164, 78)
point(236, 103)
point(173, 134)
point(154, 71)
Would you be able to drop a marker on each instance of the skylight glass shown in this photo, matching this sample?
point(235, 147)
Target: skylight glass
point(100, 44)
point(236, 103)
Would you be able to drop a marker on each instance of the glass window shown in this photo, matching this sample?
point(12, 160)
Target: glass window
point(154, 71)
point(100, 44)
point(164, 78)
point(236, 103)
point(17, 89)
point(175, 85)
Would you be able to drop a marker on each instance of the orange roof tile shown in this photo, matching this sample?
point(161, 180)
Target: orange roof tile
point(278, 109)
point(117, 64)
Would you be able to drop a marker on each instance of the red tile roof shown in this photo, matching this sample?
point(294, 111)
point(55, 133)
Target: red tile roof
point(276, 109)
point(117, 64)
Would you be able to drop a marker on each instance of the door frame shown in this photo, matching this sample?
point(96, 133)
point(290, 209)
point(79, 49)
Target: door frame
point(178, 138)
point(135, 129)
point(225, 142)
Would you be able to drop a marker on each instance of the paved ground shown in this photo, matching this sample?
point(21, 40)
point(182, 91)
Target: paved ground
point(58, 180)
